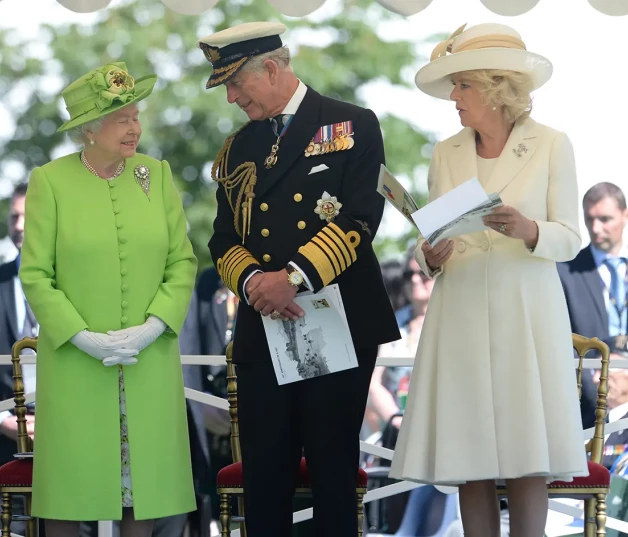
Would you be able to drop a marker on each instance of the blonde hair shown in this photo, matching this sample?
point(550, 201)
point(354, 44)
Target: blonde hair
point(509, 89)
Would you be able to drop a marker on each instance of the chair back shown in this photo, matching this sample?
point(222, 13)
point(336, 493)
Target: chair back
point(582, 346)
point(232, 398)
point(24, 442)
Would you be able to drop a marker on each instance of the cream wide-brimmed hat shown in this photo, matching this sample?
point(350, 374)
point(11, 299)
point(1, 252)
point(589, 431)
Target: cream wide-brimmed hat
point(485, 46)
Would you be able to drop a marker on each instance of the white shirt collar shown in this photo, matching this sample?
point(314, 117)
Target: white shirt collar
point(296, 99)
point(600, 256)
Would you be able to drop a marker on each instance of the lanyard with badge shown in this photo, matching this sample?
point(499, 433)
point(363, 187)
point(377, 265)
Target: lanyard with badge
point(620, 308)
point(271, 159)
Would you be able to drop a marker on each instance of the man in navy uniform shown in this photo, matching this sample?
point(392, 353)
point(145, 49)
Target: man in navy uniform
point(297, 209)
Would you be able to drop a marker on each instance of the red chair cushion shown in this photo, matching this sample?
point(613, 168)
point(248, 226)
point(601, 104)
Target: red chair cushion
point(17, 473)
point(598, 477)
point(231, 476)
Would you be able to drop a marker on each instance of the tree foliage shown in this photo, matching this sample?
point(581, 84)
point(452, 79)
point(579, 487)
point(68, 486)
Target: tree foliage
point(183, 122)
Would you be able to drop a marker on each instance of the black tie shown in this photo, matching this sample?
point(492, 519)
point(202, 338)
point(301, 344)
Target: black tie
point(277, 123)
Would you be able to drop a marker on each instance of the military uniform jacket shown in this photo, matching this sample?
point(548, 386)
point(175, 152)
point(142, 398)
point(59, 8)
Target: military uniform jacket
point(284, 226)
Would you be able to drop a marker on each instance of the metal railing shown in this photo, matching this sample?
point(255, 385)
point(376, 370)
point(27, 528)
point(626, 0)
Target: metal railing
point(105, 528)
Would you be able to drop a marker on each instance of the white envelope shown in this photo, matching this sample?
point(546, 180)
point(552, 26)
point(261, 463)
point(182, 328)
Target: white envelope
point(449, 206)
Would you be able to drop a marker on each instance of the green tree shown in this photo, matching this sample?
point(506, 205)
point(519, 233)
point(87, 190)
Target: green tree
point(183, 122)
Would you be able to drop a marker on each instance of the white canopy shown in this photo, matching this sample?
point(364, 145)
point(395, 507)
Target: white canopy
point(300, 8)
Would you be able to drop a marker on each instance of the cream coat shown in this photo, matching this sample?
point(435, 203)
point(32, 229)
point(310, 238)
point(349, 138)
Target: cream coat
point(493, 392)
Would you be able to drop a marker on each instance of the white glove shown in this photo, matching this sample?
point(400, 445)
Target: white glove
point(122, 360)
point(104, 347)
point(139, 337)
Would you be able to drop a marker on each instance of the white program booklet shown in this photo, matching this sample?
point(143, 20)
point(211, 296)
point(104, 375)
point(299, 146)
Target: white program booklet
point(456, 213)
point(317, 344)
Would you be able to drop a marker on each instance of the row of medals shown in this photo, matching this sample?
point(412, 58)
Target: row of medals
point(337, 144)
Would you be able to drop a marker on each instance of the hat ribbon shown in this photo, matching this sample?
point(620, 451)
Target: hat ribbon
point(476, 43)
point(445, 46)
point(107, 87)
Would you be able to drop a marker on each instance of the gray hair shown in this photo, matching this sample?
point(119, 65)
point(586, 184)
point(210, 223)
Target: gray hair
point(280, 56)
point(78, 134)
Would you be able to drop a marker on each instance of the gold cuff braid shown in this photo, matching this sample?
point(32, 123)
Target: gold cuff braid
point(331, 251)
point(231, 266)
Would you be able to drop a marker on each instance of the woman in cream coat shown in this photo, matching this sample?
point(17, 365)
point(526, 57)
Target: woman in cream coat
point(493, 393)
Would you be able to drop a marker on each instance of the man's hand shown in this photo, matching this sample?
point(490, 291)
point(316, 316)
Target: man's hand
point(30, 426)
point(272, 292)
point(8, 427)
point(619, 344)
point(253, 282)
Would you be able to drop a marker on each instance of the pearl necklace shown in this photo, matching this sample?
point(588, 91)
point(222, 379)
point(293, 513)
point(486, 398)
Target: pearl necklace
point(90, 168)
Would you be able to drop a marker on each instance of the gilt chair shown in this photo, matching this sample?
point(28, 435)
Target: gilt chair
point(16, 476)
point(229, 482)
point(594, 488)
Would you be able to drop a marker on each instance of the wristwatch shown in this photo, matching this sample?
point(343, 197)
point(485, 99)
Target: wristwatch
point(295, 278)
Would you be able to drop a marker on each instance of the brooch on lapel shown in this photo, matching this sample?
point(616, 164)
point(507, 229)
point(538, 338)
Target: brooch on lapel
point(521, 148)
point(328, 207)
point(330, 138)
point(142, 176)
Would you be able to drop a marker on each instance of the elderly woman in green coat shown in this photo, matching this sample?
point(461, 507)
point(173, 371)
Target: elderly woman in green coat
point(108, 270)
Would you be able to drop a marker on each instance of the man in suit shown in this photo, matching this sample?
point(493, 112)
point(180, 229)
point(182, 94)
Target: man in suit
point(211, 320)
point(595, 280)
point(297, 210)
point(16, 321)
point(207, 330)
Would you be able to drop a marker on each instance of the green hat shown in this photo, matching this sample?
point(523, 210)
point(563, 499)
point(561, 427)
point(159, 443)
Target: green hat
point(103, 91)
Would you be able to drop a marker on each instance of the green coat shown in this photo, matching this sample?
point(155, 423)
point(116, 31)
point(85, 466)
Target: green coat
point(100, 255)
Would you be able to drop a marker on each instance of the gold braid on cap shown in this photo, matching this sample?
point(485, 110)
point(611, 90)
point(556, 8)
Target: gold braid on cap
point(244, 177)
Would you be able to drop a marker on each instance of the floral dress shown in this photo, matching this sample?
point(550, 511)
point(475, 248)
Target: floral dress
point(127, 494)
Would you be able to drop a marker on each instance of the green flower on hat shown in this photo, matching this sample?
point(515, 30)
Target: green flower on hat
point(103, 91)
point(113, 85)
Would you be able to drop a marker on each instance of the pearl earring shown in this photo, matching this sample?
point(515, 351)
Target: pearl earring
point(91, 142)
point(494, 108)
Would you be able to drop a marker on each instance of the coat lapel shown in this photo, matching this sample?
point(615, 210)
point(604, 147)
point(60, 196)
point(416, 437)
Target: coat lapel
point(517, 152)
point(302, 129)
point(462, 158)
point(595, 287)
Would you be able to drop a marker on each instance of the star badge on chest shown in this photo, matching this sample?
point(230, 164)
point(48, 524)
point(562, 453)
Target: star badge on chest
point(328, 207)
